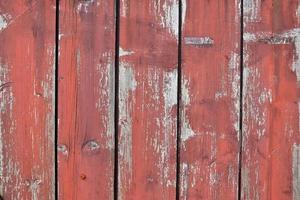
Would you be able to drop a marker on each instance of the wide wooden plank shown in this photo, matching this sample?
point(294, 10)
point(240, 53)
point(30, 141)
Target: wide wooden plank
point(86, 99)
point(148, 99)
point(27, 74)
point(271, 106)
point(210, 86)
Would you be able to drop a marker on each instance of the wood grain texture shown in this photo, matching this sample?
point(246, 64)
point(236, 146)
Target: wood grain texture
point(148, 99)
point(27, 74)
point(86, 99)
point(209, 106)
point(271, 100)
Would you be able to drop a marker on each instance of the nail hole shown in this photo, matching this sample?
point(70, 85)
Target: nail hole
point(82, 176)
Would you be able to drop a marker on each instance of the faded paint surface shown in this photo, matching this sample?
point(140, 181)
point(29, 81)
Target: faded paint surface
point(210, 100)
point(27, 38)
point(148, 99)
point(86, 99)
point(270, 100)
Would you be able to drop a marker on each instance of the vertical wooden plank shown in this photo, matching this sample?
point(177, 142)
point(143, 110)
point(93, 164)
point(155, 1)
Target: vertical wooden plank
point(86, 99)
point(271, 100)
point(27, 74)
point(210, 99)
point(148, 99)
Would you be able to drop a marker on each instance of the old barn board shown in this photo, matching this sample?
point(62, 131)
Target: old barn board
point(210, 99)
point(271, 150)
point(27, 61)
point(148, 99)
point(86, 99)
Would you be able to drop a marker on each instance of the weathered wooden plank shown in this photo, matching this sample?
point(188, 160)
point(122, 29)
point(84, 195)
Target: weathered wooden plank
point(148, 99)
point(271, 100)
point(209, 106)
point(27, 74)
point(86, 99)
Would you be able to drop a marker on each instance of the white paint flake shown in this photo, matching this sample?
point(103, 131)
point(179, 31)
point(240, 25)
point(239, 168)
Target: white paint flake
point(296, 171)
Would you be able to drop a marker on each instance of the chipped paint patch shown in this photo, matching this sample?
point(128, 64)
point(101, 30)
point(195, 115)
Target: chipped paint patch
point(106, 88)
point(184, 181)
point(267, 38)
point(184, 6)
point(199, 41)
point(123, 52)
point(296, 63)
point(62, 149)
point(234, 76)
point(4, 21)
point(124, 7)
point(298, 11)
point(171, 14)
point(296, 171)
point(170, 89)
point(84, 5)
point(252, 10)
point(127, 84)
point(265, 96)
point(11, 167)
point(256, 95)
point(169, 123)
point(186, 132)
point(34, 187)
point(168, 15)
point(91, 147)
point(245, 184)
point(287, 37)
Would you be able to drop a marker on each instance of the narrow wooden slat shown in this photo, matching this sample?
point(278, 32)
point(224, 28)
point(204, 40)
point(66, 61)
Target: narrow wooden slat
point(148, 99)
point(271, 100)
point(210, 99)
point(27, 74)
point(86, 99)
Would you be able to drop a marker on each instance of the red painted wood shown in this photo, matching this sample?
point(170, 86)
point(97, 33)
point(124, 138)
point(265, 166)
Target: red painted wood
point(210, 99)
point(27, 58)
point(86, 99)
point(271, 100)
point(148, 99)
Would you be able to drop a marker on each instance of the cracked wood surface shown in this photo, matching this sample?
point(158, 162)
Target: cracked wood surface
point(27, 74)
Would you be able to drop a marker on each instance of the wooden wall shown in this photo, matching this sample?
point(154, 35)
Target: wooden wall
point(150, 99)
